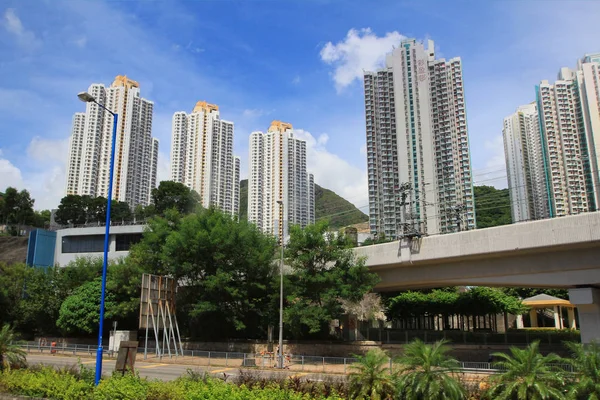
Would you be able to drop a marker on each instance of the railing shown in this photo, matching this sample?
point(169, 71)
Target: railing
point(524, 337)
point(233, 360)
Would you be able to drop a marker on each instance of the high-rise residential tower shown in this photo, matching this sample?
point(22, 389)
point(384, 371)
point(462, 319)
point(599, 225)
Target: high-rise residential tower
point(278, 173)
point(570, 126)
point(202, 157)
point(524, 165)
point(136, 151)
point(553, 146)
point(419, 165)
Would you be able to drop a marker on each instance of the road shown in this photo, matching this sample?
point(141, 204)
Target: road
point(167, 372)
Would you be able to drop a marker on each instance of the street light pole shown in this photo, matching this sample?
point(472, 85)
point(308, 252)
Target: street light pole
point(88, 98)
point(280, 355)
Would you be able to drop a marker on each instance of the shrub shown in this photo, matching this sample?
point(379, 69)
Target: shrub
point(45, 382)
point(128, 386)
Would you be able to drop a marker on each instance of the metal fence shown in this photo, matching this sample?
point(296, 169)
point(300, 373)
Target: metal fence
point(393, 336)
point(297, 363)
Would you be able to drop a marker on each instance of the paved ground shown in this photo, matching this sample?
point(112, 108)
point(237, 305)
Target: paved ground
point(168, 371)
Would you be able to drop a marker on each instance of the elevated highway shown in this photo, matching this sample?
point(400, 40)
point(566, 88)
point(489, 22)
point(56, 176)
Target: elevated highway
point(553, 253)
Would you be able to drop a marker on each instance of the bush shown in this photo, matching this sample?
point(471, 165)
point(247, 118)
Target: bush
point(71, 383)
point(45, 382)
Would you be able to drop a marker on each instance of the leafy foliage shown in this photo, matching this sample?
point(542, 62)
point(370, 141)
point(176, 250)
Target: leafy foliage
point(16, 209)
point(324, 271)
point(80, 312)
point(174, 195)
point(426, 373)
point(11, 354)
point(477, 301)
point(64, 384)
point(79, 210)
point(585, 360)
point(527, 375)
point(227, 266)
point(492, 206)
point(370, 377)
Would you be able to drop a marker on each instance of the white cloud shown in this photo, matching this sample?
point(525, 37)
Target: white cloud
point(45, 178)
point(256, 112)
point(80, 42)
point(494, 171)
point(360, 50)
point(296, 80)
point(13, 25)
point(163, 170)
point(333, 172)
point(9, 175)
point(48, 151)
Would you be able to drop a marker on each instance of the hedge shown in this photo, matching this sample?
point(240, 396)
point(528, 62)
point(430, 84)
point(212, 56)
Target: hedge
point(70, 384)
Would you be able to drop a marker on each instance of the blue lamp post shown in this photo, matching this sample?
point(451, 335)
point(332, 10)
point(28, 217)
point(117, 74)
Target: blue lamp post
point(88, 98)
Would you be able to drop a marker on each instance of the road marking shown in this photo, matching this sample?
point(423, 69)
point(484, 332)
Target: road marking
point(217, 371)
point(301, 374)
point(89, 362)
point(153, 366)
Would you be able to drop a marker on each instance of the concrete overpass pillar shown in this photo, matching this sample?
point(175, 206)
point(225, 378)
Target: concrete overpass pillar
point(587, 301)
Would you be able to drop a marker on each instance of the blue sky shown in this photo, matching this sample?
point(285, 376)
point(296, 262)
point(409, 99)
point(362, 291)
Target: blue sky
point(297, 61)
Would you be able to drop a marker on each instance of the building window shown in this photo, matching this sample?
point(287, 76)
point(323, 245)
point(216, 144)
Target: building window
point(125, 241)
point(83, 244)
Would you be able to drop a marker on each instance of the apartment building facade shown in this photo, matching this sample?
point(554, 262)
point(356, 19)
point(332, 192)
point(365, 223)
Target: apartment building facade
point(524, 165)
point(202, 156)
point(419, 166)
point(552, 146)
point(280, 191)
point(136, 151)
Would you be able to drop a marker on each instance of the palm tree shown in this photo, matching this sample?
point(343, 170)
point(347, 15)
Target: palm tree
point(527, 375)
point(427, 373)
point(585, 360)
point(370, 378)
point(10, 353)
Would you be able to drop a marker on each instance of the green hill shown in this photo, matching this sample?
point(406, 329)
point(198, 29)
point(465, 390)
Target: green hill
point(492, 206)
point(327, 205)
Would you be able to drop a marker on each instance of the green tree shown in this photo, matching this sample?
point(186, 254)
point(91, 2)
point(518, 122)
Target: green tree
point(10, 353)
point(73, 209)
point(120, 211)
point(227, 266)
point(16, 208)
point(426, 373)
point(12, 284)
point(124, 281)
point(174, 195)
point(370, 377)
point(585, 360)
point(324, 271)
point(37, 311)
point(143, 212)
point(41, 219)
point(80, 312)
point(527, 375)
